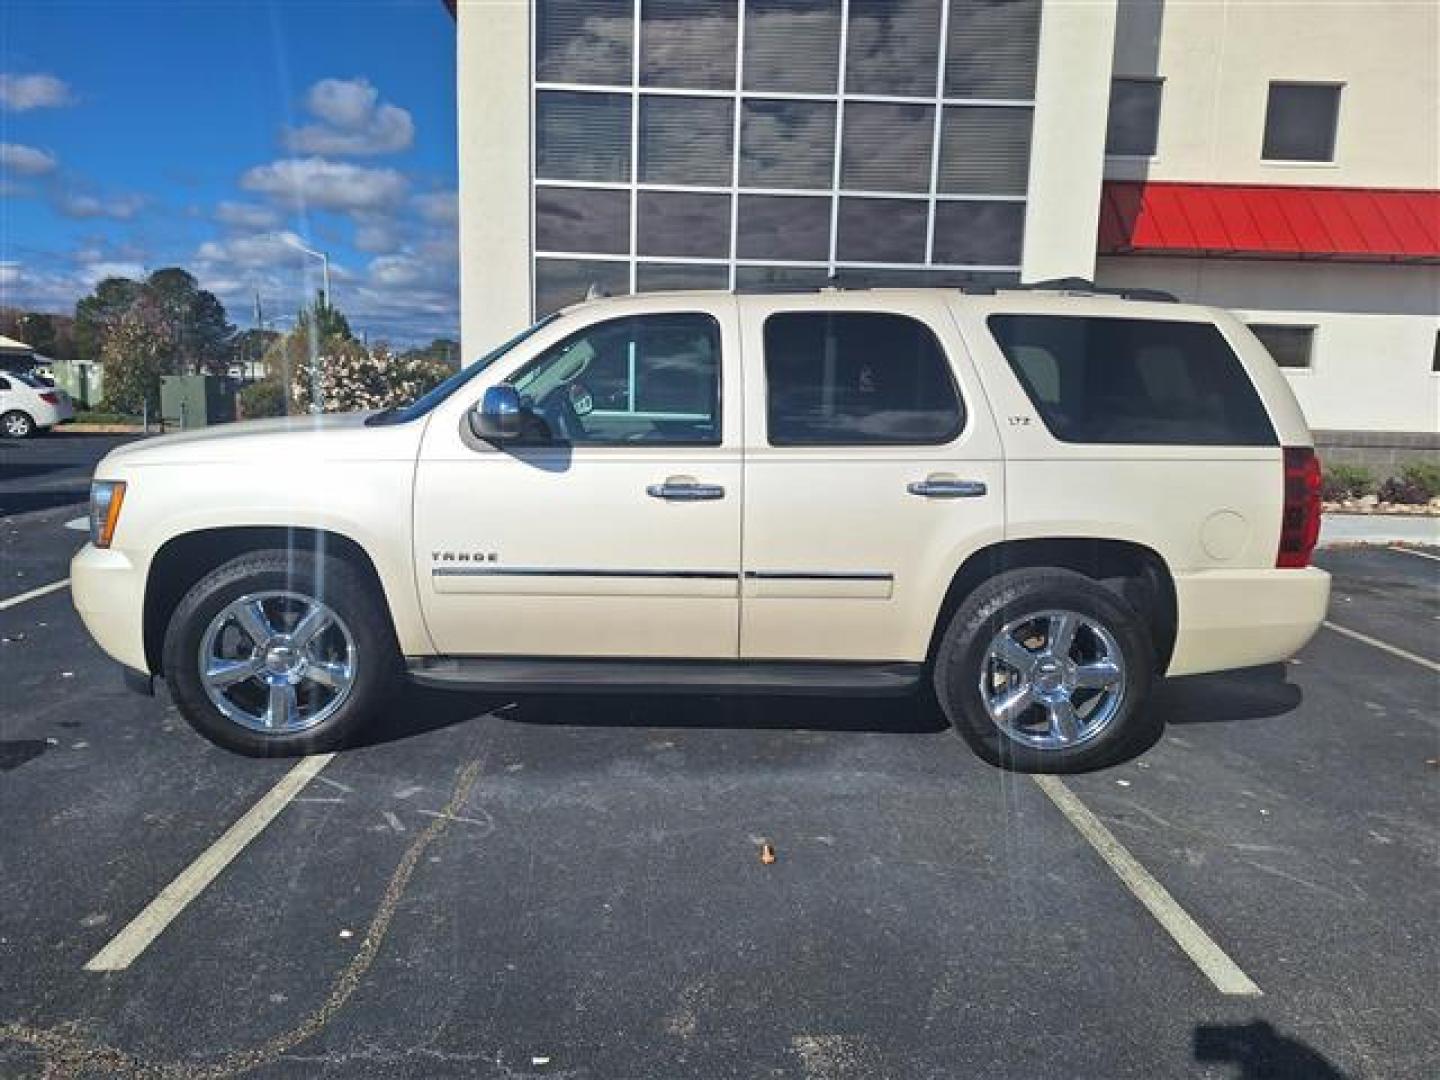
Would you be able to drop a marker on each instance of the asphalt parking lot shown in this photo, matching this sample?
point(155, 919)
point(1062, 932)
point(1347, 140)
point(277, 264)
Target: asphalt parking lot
point(573, 888)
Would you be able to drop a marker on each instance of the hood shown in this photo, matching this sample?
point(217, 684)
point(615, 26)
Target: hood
point(328, 435)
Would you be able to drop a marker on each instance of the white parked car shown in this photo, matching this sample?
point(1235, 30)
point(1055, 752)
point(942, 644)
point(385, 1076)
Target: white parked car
point(1037, 502)
point(29, 404)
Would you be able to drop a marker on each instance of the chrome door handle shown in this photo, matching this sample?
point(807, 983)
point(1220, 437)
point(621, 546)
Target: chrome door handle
point(946, 487)
point(685, 491)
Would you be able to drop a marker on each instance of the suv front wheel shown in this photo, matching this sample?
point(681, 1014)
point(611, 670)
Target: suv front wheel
point(281, 652)
point(1046, 670)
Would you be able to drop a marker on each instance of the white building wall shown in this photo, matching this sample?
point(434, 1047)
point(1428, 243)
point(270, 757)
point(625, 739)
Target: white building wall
point(1218, 57)
point(1067, 155)
point(493, 105)
point(1375, 329)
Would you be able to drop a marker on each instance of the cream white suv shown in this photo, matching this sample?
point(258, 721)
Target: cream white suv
point(1039, 501)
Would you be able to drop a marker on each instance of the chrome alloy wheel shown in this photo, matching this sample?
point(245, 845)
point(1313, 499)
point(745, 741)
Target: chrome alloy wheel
point(1053, 680)
point(277, 662)
point(18, 425)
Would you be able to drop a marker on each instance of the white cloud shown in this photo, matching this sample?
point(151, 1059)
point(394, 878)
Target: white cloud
point(441, 207)
point(99, 271)
point(352, 120)
point(246, 215)
point(78, 205)
point(326, 185)
point(19, 93)
point(250, 252)
point(25, 160)
point(9, 273)
point(397, 271)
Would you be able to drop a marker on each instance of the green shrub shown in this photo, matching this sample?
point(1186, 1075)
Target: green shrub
point(88, 416)
point(261, 399)
point(1346, 482)
point(1423, 476)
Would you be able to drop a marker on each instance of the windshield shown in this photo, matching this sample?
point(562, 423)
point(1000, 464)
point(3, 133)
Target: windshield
point(30, 379)
point(433, 397)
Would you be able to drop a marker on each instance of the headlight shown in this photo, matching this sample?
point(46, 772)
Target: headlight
point(105, 499)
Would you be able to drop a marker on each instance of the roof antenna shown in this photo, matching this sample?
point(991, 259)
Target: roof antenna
point(596, 291)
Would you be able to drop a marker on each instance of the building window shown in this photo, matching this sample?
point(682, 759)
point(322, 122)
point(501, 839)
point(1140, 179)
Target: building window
point(778, 141)
point(688, 44)
point(856, 379)
point(1134, 123)
point(582, 136)
point(792, 46)
point(991, 48)
point(1301, 120)
point(1289, 345)
point(984, 150)
point(686, 140)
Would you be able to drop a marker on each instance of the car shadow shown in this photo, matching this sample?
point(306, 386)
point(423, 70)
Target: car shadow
point(1223, 697)
point(1259, 1052)
point(426, 710)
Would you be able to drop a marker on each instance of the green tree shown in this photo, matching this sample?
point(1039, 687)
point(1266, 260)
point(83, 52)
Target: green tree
point(98, 313)
point(37, 330)
point(137, 351)
point(194, 317)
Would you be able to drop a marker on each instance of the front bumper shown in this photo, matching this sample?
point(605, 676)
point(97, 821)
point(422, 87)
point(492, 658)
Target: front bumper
point(1244, 618)
point(108, 590)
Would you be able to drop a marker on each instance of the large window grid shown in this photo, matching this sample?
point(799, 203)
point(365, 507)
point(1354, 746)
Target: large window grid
point(931, 193)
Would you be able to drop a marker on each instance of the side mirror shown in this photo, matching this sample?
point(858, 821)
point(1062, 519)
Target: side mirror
point(498, 416)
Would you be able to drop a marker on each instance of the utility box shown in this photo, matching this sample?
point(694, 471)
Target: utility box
point(196, 401)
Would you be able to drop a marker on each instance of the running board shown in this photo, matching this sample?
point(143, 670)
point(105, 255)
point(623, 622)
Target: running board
point(560, 676)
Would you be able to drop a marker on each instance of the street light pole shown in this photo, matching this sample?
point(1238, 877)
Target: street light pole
point(324, 263)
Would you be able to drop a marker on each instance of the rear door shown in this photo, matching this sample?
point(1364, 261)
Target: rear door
point(872, 468)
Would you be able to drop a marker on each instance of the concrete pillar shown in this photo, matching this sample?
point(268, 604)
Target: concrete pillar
point(494, 101)
point(1067, 157)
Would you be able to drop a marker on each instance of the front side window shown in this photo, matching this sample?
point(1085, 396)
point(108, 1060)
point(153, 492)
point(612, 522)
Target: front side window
point(1133, 381)
point(1301, 121)
point(638, 380)
point(857, 379)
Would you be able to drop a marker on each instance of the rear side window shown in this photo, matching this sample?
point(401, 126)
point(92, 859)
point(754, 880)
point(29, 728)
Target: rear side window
point(1133, 381)
point(857, 379)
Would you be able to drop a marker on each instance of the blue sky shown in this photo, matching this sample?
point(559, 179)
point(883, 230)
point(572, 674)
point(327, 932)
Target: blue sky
point(199, 133)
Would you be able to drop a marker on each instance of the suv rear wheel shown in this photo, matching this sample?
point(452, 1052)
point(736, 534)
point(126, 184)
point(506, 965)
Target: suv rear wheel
point(1046, 670)
point(280, 652)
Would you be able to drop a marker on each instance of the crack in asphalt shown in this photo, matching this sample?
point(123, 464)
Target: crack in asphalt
point(67, 1052)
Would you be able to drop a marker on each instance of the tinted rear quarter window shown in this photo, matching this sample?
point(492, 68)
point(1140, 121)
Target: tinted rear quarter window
point(1133, 381)
point(857, 378)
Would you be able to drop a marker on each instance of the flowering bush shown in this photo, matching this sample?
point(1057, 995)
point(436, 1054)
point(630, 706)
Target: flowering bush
point(344, 375)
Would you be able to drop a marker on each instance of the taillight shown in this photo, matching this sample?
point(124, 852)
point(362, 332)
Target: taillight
point(50, 397)
point(1300, 520)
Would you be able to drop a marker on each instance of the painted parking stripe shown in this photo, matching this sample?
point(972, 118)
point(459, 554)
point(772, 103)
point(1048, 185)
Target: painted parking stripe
point(125, 946)
point(34, 594)
point(1412, 551)
point(1376, 643)
point(1212, 961)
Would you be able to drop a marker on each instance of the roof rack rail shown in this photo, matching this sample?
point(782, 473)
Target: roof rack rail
point(1089, 288)
point(1077, 285)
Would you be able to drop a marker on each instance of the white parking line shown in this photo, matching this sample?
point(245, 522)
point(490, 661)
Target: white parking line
point(1186, 932)
point(34, 594)
point(125, 946)
point(1393, 650)
point(1412, 551)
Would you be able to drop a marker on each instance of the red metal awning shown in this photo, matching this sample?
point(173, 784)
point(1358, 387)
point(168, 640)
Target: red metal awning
point(1260, 221)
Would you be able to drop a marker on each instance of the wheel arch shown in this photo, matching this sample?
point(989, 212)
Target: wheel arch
point(184, 559)
point(1137, 574)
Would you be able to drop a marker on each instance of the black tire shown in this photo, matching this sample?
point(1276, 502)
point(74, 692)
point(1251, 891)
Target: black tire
point(347, 591)
point(961, 660)
point(17, 425)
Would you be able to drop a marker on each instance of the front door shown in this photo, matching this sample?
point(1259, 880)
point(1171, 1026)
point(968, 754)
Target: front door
point(612, 528)
point(873, 468)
